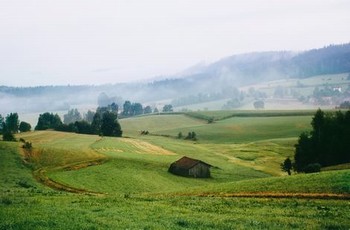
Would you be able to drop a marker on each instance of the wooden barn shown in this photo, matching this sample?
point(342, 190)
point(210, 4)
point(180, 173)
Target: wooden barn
point(189, 167)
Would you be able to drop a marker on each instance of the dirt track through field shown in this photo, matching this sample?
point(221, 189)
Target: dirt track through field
point(40, 175)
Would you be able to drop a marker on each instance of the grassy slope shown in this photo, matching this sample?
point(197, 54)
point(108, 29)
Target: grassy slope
point(131, 163)
point(336, 182)
point(55, 149)
point(231, 130)
point(132, 170)
point(157, 123)
point(29, 205)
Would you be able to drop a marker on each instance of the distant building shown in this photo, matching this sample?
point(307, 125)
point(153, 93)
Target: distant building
point(337, 89)
point(189, 167)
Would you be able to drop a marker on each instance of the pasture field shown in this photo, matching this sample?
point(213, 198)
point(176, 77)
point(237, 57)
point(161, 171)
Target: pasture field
point(123, 183)
point(230, 128)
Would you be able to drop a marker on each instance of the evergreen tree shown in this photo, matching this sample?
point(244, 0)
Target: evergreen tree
point(12, 123)
point(328, 142)
point(96, 123)
point(110, 125)
point(317, 124)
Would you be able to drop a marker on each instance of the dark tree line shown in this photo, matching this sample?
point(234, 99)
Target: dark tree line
point(104, 122)
point(327, 144)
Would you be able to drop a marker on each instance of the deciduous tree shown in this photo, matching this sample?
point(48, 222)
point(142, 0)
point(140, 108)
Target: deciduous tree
point(24, 127)
point(167, 108)
point(72, 116)
point(48, 121)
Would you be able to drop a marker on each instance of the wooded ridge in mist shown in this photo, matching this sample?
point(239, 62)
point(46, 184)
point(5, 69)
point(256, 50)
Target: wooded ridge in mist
point(234, 71)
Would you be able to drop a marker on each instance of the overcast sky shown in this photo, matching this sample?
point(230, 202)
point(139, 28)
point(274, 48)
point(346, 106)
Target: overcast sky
point(44, 42)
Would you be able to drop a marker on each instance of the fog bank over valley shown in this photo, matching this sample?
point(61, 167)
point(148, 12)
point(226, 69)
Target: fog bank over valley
point(282, 80)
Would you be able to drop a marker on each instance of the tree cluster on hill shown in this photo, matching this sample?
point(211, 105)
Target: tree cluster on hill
point(232, 104)
point(190, 136)
point(73, 115)
point(344, 105)
point(327, 144)
point(104, 100)
point(11, 125)
point(134, 109)
point(223, 93)
point(104, 122)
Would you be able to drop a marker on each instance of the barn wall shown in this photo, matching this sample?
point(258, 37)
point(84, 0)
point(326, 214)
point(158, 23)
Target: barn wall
point(199, 170)
point(178, 170)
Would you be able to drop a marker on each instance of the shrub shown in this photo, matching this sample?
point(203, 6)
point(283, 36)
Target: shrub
point(8, 136)
point(24, 127)
point(27, 145)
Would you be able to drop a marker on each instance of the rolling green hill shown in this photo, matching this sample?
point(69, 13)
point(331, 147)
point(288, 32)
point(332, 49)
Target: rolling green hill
point(237, 128)
point(123, 183)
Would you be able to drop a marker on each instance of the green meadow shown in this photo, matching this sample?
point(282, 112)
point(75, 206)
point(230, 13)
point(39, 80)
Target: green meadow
point(72, 181)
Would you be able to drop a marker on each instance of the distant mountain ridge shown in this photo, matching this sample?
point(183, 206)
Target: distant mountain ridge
point(251, 68)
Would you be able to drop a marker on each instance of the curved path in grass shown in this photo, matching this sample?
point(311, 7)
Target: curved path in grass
point(40, 175)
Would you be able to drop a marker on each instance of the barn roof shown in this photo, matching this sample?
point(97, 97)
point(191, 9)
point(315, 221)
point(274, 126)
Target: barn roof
point(187, 163)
